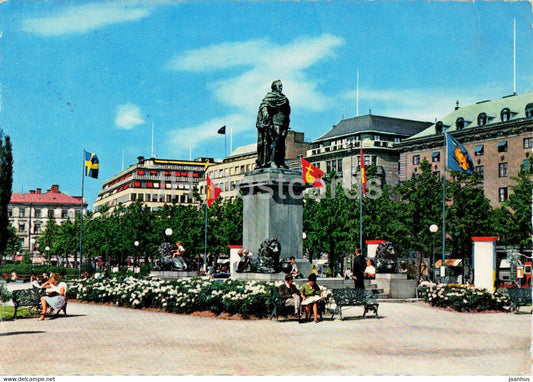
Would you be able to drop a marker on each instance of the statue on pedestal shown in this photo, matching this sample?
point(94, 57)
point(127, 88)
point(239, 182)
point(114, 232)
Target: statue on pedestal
point(272, 127)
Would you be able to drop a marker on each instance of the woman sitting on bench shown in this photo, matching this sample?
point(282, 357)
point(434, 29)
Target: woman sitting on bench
point(56, 293)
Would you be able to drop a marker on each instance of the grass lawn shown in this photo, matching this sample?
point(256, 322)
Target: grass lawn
point(6, 312)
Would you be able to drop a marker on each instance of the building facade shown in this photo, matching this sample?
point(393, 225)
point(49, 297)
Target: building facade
point(498, 135)
point(29, 213)
point(155, 182)
point(339, 150)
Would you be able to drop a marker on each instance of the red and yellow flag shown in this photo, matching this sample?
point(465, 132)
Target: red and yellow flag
point(363, 172)
point(311, 174)
point(212, 192)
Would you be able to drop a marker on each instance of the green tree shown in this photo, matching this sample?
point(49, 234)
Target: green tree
point(6, 183)
point(520, 203)
point(422, 195)
point(468, 214)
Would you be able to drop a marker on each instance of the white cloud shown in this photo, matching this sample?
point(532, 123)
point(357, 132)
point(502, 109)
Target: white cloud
point(421, 103)
point(128, 116)
point(86, 17)
point(181, 141)
point(253, 65)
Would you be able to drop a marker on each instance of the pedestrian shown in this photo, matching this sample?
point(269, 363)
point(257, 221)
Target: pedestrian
point(290, 295)
point(359, 266)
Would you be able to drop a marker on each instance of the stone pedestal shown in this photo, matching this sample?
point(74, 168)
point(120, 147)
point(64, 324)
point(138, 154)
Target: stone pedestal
point(273, 209)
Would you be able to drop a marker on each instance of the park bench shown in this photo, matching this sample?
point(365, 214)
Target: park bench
point(31, 298)
point(519, 297)
point(355, 297)
point(279, 308)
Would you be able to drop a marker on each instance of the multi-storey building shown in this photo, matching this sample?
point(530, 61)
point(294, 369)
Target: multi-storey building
point(339, 149)
point(228, 173)
point(155, 182)
point(498, 135)
point(29, 213)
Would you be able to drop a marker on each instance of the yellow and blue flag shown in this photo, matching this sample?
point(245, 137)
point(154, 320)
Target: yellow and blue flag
point(91, 165)
point(458, 157)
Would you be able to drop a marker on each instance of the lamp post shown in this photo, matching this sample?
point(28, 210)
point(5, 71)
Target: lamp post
point(136, 244)
point(168, 232)
point(433, 229)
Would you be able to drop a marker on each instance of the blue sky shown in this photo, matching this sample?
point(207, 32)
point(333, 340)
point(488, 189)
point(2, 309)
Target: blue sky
point(98, 75)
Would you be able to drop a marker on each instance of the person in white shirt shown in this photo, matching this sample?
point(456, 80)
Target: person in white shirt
point(370, 271)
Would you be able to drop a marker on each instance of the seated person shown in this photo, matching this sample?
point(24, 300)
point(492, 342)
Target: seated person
point(370, 271)
point(56, 293)
point(179, 251)
point(311, 296)
point(290, 295)
point(35, 282)
point(295, 273)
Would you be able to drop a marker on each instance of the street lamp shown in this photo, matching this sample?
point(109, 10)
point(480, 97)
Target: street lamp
point(168, 232)
point(136, 244)
point(433, 229)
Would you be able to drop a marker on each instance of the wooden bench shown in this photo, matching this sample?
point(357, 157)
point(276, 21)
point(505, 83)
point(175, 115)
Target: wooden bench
point(31, 298)
point(519, 297)
point(355, 297)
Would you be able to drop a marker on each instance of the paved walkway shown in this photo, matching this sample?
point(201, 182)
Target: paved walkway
point(409, 339)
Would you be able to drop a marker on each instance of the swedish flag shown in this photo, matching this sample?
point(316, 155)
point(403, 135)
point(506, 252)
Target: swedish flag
point(91, 165)
point(458, 157)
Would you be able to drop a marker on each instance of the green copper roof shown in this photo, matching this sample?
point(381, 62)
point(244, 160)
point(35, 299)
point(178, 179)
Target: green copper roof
point(493, 109)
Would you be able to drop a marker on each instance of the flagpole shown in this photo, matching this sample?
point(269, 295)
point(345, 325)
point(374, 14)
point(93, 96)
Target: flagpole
point(81, 211)
point(361, 214)
point(205, 240)
point(444, 202)
point(225, 145)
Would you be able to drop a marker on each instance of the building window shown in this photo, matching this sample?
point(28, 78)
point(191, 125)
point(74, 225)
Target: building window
point(435, 157)
point(22, 227)
point(529, 110)
point(505, 115)
point(437, 174)
point(528, 143)
point(339, 165)
point(460, 123)
point(133, 197)
point(50, 213)
point(416, 159)
point(328, 166)
point(37, 228)
point(38, 213)
point(502, 147)
point(502, 170)
point(502, 194)
point(22, 212)
point(482, 119)
point(527, 166)
point(479, 150)
point(481, 171)
point(64, 214)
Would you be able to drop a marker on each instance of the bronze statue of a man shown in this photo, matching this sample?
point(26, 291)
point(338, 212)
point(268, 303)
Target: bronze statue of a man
point(272, 127)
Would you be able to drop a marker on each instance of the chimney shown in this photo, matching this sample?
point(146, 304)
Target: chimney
point(32, 192)
point(55, 189)
point(38, 190)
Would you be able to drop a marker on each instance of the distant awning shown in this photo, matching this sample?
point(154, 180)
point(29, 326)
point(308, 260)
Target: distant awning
point(449, 263)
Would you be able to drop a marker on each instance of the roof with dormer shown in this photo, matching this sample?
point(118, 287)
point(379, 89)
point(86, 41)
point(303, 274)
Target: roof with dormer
point(516, 104)
point(375, 124)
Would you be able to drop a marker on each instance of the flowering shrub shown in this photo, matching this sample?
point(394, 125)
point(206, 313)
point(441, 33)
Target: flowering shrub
point(462, 298)
point(5, 295)
point(189, 295)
